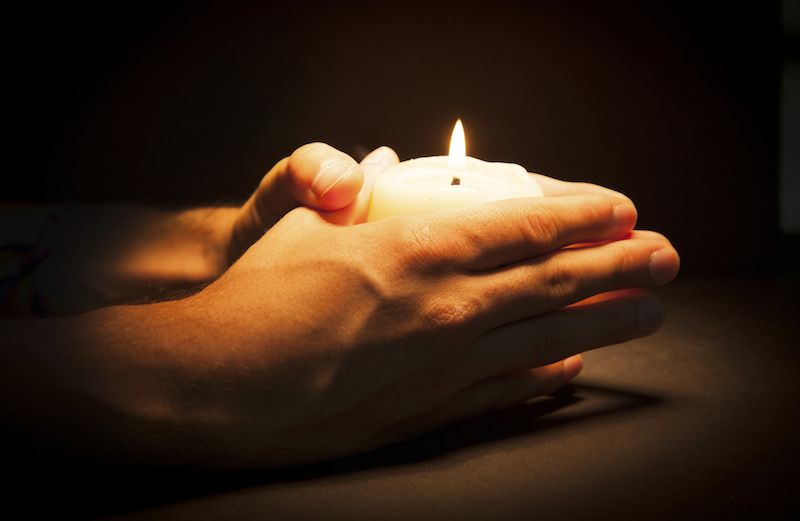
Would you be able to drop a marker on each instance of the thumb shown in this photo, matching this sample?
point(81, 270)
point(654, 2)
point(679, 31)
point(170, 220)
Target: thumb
point(372, 166)
point(315, 175)
point(322, 177)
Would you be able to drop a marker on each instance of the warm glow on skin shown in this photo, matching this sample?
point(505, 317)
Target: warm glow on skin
point(291, 355)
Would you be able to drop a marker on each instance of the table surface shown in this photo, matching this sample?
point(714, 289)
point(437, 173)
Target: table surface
point(700, 420)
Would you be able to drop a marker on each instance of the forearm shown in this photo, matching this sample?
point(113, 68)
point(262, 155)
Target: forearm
point(159, 251)
point(106, 385)
point(84, 257)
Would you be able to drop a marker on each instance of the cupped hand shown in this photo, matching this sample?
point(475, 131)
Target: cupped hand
point(316, 176)
point(323, 341)
point(109, 254)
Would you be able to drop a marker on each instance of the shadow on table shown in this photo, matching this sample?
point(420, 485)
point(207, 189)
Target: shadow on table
point(118, 491)
point(569, 406)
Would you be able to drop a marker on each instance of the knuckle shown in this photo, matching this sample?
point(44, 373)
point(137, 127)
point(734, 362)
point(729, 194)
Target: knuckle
point(599, 208)
point(470, 244)
point(415, 245)
point(562, 281)
point(539, 226)
point(448, 313)
point(629, 264)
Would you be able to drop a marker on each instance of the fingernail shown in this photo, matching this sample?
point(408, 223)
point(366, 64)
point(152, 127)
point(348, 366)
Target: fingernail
point(651, 314)
point(625, 214)
point(572, 366)
point(663, 265)
point(331, 172)
point(379, 155)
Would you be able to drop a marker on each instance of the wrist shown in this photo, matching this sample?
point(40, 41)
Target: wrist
point(211, 228)
point(158, 253)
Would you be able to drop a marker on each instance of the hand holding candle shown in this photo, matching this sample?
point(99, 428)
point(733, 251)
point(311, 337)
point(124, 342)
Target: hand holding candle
point(437, 183)
point(322, 340)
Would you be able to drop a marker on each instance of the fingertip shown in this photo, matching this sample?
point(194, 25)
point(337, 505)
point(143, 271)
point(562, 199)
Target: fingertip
point(324, 177)
point(626, 215)
point(664, 265)
point(382, 155)
point(343, 190)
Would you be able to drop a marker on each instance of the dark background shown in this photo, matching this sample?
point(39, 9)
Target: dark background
point(673, 103)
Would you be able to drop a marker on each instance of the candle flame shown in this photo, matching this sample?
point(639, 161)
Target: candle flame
point(458, 146)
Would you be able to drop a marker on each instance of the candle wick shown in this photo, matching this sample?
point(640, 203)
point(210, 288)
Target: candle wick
point(456, 181)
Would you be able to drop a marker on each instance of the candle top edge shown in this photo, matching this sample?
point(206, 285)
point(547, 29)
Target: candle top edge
point(469, 162)
point(434, 173)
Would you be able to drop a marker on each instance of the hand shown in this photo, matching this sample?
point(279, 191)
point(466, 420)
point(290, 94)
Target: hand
point(323, 341)
point(110, 254)
point(317, 176)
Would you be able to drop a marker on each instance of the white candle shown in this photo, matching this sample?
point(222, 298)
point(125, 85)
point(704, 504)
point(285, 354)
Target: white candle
point(437, 183)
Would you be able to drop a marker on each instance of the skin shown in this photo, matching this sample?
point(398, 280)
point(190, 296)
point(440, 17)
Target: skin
point(121, 253)
point(323, 340)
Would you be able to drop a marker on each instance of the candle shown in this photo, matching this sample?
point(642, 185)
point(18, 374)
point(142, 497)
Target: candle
point(436, 183)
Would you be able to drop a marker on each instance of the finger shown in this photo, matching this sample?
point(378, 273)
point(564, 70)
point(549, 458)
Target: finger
point(319, 176)
point(554, 336)
point(373, 164)
point(638, 234)
point(608, 295)
point(378, 160)
point(568, 276)
point(315, 175)
point(486, 396)
point(503, 232)
point(556, 187)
